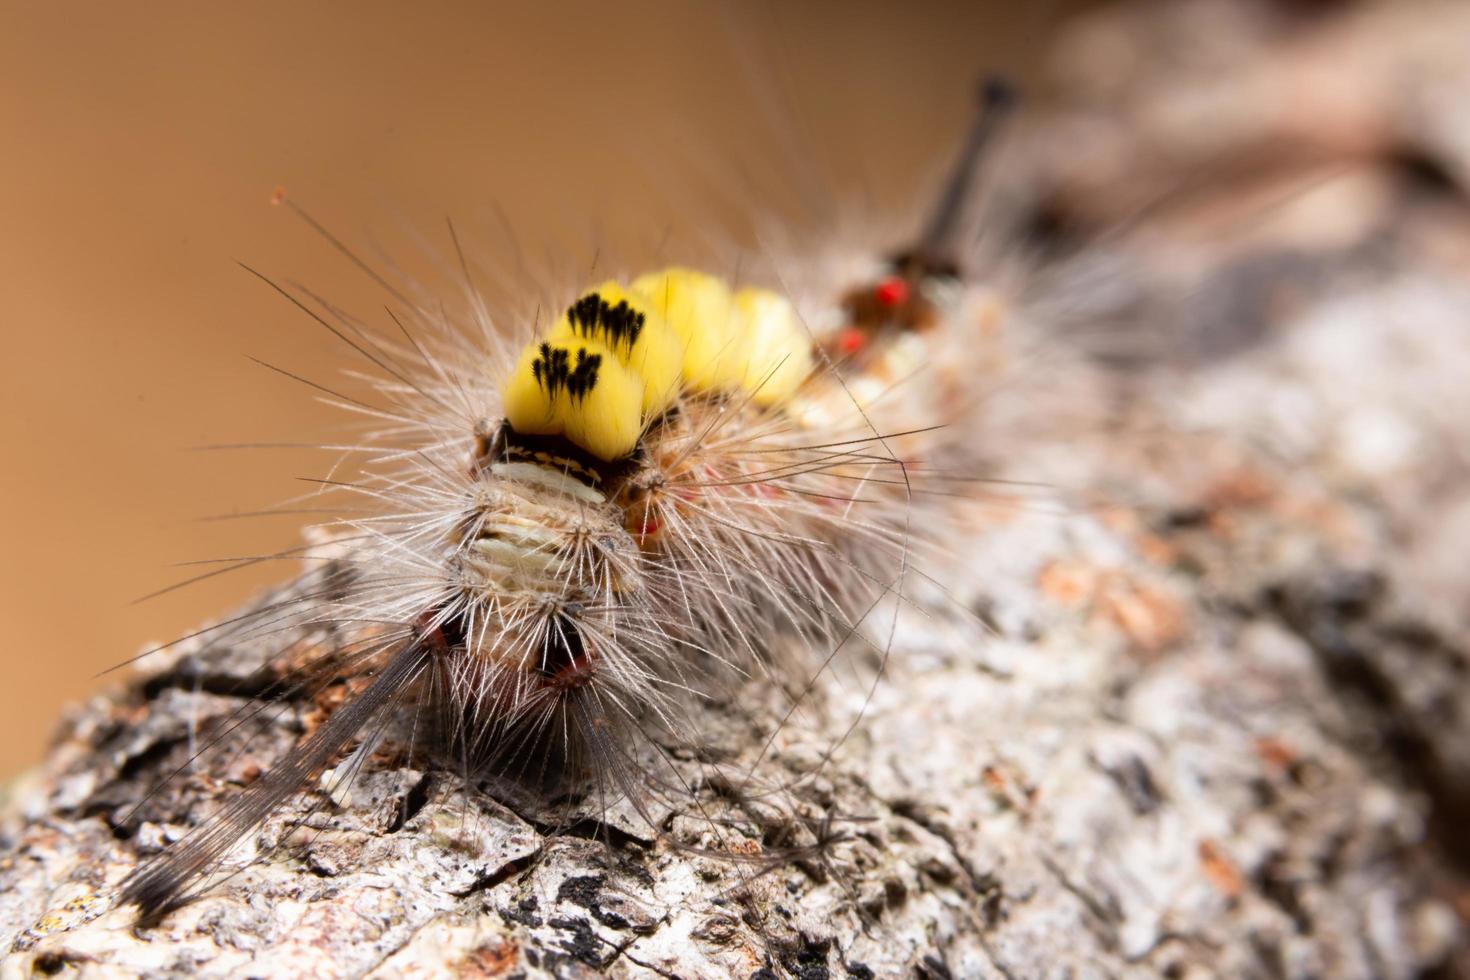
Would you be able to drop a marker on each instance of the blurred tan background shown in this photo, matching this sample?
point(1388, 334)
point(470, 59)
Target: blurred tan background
point(141, 148)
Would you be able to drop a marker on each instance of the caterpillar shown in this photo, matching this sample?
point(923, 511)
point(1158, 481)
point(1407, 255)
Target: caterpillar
point(575, 543)
point(620, 655)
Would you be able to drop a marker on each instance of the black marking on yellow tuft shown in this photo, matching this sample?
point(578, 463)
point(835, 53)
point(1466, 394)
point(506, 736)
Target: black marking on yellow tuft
point(592, 316)
point(553, 370)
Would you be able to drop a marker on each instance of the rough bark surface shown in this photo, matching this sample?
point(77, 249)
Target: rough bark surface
point(1218, 719)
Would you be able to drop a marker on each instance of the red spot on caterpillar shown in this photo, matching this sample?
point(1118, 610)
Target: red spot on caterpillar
point(891, 291)
point(851, 340)
point(649, 527)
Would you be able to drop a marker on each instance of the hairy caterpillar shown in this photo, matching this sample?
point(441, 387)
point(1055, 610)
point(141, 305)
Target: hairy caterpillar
point(571, 542)
point(1143, 769)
